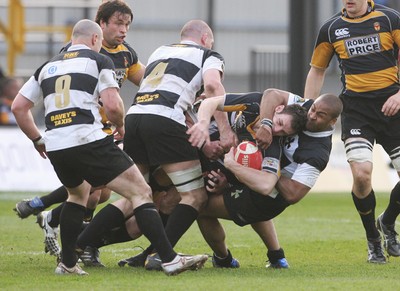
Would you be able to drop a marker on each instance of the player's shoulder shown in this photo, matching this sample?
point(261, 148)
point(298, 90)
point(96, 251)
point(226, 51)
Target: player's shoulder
point(128, 47)
point(392, 14)
point(330, 21)
point(319, 140)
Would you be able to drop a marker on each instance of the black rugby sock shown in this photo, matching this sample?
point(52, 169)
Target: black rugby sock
point(393, 209)
point(224, 262)
point(55, 215)
point(57, 196)
point(116, 235)
point(366, 210)
point(179, 221)
point(274, 256)
point(70, 224)
point(150, 224)
point(164, 217)
point(106, 219)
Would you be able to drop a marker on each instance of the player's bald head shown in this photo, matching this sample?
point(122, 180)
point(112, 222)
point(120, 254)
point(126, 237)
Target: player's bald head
point(332, 102)
point(195, 29)
point(85, 28)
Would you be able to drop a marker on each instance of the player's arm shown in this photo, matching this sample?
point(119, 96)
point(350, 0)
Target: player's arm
point(315, 80)
point(199, 132)
point(213, 87)
point(292, 190)
point(113, 108)
point(271, 99)
point(136, 75)
point(21, 108)
point(260, 181)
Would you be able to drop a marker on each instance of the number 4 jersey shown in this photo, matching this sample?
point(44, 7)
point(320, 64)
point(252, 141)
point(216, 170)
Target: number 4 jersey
point(173, 77)
point(71, 83)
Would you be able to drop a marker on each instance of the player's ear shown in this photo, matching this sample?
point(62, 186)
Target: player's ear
point(279, 108)
point(95, 39)
point(203, 39)
point(333, 122)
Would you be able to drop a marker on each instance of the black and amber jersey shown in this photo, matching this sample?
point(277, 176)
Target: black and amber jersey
point(124, 57)
point(365, 48)
point(125, 60)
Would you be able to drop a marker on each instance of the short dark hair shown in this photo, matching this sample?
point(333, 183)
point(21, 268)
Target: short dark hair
point(108, 8)
point(299, 114)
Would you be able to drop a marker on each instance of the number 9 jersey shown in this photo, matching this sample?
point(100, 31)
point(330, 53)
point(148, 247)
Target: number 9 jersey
point(71, 83)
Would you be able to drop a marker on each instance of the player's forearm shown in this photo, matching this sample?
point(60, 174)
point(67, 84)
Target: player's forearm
point(116, 115)
point(23, 115)
point(291, 190)
point(314, 82)
point(207, 109)
point(270, 100)
point(261, 182)
point(113, 106)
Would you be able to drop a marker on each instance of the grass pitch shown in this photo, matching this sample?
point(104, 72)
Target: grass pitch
point(322, 237)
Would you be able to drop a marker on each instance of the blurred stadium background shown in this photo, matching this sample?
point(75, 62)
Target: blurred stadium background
point(265, 43)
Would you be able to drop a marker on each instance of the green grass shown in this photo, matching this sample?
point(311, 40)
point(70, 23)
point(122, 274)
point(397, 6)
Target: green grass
point(322, 237)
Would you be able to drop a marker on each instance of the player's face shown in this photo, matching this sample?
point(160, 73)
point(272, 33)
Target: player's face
point(355, 8)
point(318, 117)
point(282, 124)
point(115, 31)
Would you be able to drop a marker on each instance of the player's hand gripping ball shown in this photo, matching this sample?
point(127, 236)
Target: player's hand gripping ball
point(248, 155)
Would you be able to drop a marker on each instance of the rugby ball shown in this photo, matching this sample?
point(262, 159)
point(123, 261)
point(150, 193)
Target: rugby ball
point(248, 155)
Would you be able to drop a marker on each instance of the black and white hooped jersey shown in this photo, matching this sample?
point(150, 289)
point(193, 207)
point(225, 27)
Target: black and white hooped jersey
point(173, 77)
point(306, 154)
point(366, 48)
point(71, 83)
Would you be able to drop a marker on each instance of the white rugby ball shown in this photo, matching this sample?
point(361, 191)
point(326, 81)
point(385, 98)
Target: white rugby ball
point(248, 155)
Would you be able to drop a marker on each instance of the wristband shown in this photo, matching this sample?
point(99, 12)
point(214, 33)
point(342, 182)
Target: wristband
point(267, 122)
point(38, 141)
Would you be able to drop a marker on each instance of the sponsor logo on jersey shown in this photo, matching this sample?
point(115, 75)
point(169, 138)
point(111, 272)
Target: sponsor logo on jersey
point(52, 69)
point(239, 123)
point(377, 26)
point(342, 32)
point(355, 131)
point(270, 164)
point(63, 118)
point(70, 55)
point(288, 142)
point(363, 45)
point(146, 98)
point(236, 194)
point(299, 99)
point(120, 75)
